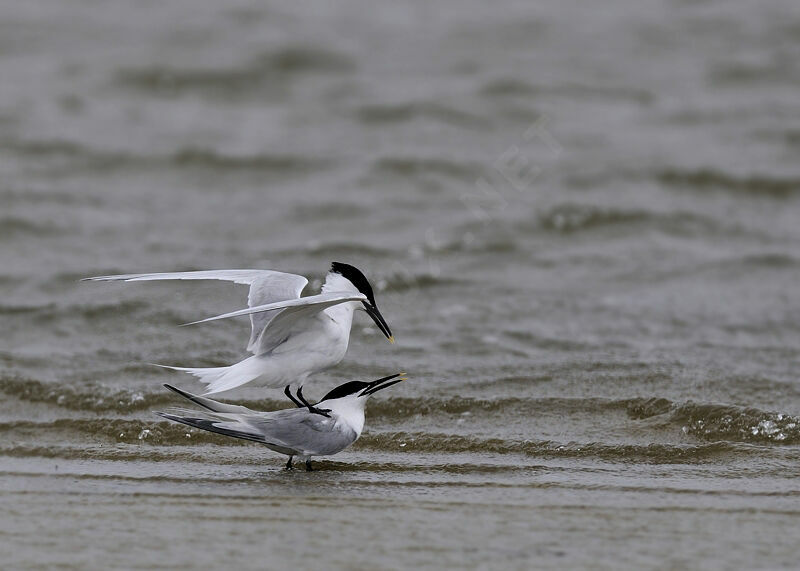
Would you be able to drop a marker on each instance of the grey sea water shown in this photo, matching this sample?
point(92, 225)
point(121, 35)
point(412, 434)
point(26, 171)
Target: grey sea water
point(582, 221)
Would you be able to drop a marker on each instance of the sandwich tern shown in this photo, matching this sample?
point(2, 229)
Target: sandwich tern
point(324, 429)
point(291, 336)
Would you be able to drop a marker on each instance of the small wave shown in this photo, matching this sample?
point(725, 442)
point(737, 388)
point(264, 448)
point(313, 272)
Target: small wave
point(405, 112)
point(404, 281)
point(472, 240)
point(175, 81)
point(102, 399)
point(84, 158)
point(569, 218)
point(266, 72)
point(334, 249)
point(162, 433)
point(647, 408)
point(117, 430)
point(33, 196)
point(512, 87)
point(706, 421)
point(399, 408)
point(445, 443)
point(702, 179)
point(542, 342)
point(413, 167)
point(737, 424)
point(604, 92)
point(11, 280)
point(51, 311)
point(714, 422)
point(305, 59)
point(122, 451)
point(21, 309)
point(508, 87)
point(788, 137)
point(115, 309)
point(13, 227)
point(777, 71)
point(99, 399)
point(94, 399)
point(792, 137)
point(325, 210)
point(771, 260)
point(276, 164)
point(67, 156)
point(41, 149)
point(573, 218)
point(766, 260)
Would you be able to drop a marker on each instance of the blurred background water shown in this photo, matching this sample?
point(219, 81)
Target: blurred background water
point(583, 224)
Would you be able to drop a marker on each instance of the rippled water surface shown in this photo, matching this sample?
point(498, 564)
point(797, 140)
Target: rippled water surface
point(582, 224)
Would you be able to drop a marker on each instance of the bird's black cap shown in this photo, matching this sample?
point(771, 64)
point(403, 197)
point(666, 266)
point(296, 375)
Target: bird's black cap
point(356, 277)
point(345, 390)
point(363, 389)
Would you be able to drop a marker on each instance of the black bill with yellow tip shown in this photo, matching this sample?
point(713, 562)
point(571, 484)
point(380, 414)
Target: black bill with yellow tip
point(379, 320)
point(380, 384)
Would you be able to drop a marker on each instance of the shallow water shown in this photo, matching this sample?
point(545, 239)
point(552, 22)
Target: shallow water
point(583, 227)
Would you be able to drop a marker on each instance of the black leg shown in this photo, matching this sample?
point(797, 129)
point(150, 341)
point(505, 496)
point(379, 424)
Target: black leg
point(302, 398)
point(311, 408)
point(289, 463)
point(308, 466)
point(288, 393)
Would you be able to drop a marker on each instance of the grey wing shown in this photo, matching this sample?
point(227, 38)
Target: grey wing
point(268, 288)
point(299, 429)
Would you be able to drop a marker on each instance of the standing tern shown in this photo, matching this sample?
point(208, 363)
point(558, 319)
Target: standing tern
point(297, 432)
point(292, 336)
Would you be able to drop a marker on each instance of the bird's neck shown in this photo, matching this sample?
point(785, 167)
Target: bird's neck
point(343, 312)
point(349, 411)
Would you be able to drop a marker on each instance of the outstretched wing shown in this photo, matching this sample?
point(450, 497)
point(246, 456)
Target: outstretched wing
point(289, 312)
point(266, 286)
point(320, 301)
point(269, 288)
point(237, 276)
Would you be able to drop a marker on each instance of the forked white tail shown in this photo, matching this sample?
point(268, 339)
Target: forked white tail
point(220, 379)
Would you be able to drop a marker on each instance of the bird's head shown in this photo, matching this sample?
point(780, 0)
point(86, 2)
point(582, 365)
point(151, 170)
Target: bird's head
point(358, 281)
point(347, 401)
point(359, 391)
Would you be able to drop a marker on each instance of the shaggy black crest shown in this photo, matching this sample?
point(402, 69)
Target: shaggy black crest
point(345, 390)
point(358, 279)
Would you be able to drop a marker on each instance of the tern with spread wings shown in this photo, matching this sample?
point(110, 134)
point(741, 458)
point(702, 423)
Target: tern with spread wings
point(292, 336)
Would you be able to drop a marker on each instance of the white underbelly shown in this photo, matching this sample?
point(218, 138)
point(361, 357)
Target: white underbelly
point(302, 355)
